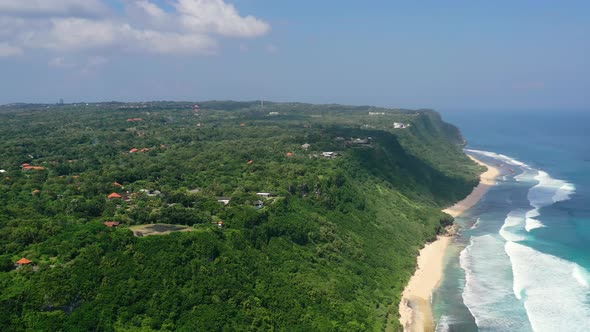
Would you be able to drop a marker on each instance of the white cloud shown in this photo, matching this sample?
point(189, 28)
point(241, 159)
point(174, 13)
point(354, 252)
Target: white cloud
point(53, 7)
point(216, 15)
point(9, 50)
point(74, 25)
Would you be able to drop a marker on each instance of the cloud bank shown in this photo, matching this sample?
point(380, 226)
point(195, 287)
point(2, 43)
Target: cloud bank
point(187, 27)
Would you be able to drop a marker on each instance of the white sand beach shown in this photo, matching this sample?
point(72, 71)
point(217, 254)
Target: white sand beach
point(415, 307)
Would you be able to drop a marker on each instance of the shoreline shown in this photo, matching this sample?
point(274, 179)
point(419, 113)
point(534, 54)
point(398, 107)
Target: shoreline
point(415, 307)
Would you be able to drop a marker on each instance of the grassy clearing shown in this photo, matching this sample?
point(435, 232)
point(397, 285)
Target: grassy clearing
point(158, 229)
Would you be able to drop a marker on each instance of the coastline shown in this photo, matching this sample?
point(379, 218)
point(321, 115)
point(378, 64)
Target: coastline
point(415, 307)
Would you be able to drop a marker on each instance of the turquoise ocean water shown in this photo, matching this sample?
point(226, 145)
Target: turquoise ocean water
point(522, 260)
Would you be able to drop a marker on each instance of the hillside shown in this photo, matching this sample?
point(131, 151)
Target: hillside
point(295, 217)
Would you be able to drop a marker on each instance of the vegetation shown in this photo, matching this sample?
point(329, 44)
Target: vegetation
point(330, 250)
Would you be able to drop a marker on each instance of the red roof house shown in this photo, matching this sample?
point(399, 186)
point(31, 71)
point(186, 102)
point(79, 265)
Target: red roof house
point(133, 150)
point(290, 154)
point(118, 184)
point(23, 261)
point(114, 195)
point(111, 224)
point(250, 162)
point(29, 167)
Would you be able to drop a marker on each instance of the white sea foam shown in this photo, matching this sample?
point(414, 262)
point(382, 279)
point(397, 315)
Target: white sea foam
point(515, 221)
point(555, 300)
point(549, 190)
point(528, 175)
point(546, 192)
point(444, 323)
point(498, 156)
point(531, 222)
point(582, 276)
point(564, 192)
point(488, 292)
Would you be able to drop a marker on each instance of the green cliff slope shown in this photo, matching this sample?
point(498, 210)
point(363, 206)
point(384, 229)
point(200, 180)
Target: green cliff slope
point(330, 250)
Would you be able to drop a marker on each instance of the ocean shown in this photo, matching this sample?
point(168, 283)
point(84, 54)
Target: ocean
point(522, 259)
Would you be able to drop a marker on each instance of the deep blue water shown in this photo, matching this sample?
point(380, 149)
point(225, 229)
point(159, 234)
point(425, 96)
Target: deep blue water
point(522, 261)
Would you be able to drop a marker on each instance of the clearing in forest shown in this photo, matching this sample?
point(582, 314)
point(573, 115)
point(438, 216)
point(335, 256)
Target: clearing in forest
point(158, 229)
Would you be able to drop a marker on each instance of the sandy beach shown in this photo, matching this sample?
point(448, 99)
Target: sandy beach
point(415, 308)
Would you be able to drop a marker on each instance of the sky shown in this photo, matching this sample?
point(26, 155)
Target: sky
point(446, 55)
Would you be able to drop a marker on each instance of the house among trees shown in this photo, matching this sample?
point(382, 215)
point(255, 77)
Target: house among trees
point(134, 150)
point(329, 154)
point(264, 195)
point(220, 224)
point(23, 261)
point(305, 146)
point(224, 200)
point(118, 185)
point(361, 141)
point(250, 162)
point(290, 154)
point(28, 167)
point(135, 120)
point(111, 224)
point(399, 125)
point(114, 196)
point(259, 204)
point(2, 171)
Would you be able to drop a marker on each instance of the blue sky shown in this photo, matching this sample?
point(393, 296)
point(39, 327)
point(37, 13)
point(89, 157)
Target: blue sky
point(505, 55)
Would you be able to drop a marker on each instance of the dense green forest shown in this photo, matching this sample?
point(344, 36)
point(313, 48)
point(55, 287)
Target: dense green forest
point(296, 217)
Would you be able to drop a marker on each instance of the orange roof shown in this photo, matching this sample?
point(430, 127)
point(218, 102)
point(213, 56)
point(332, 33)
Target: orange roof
point(118, 184)
point(114, 195)
point(145, 150)
point(290, 154)
point(250, 162)
point(133, 150)
point(25, 164)
point(23, 261)
point(36, 191)
point(38, 168)
point(220, 222)
point(111, 224)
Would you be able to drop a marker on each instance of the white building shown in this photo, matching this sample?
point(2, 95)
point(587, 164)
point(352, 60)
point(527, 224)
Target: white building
point(399, 125)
